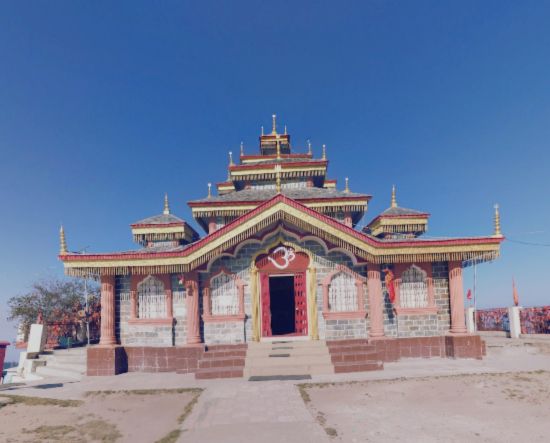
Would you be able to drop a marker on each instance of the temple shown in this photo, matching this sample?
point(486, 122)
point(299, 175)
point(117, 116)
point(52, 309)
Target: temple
point(281, 259)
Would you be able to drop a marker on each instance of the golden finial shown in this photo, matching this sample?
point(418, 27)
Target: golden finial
point(242, 148)
point(209, 190)
point(166, 207)
point(231, 159)
point(309, 147)
point(262, 131)
point(498, 232)
point(62, 242)
point(278, 179)
point(278, 143)
point(393, 200)
point(274, 118)
point(346, 190)
point(324, 152)
point(286, 133)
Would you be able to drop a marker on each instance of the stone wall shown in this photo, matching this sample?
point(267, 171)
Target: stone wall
point(229, 332)
point(345, 329)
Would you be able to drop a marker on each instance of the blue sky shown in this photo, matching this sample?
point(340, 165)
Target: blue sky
point(104, 106)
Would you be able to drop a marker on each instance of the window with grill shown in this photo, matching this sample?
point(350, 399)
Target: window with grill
point(224, 295)
point(342, 295)
point(151, 298)
point(413, 290)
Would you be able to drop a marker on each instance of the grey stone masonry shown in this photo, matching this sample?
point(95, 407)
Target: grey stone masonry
point(149, 335)
point(417, 325)
point(342, 329)
point(230, 332)
point(440, 275)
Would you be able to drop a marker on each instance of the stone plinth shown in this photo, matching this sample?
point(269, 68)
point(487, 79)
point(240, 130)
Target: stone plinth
point(106, 360)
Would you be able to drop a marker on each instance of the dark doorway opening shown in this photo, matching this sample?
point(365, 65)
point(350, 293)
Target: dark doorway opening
point(281, 300)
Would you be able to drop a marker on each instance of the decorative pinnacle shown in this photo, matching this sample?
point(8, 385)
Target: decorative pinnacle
point(166, 207)
point(278, 143)
point(242, 148)
point(309, 147)
point(498, 232)
point(62, 242)
point(286, 133)
point(324, 152)
point(278, 179)
point(231, 159)
point(262, 130)
point(274, 118)
point(393, 199)
point(209, 190)
point(346, 190)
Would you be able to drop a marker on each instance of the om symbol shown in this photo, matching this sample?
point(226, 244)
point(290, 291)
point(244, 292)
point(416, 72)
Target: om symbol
point(287, 256)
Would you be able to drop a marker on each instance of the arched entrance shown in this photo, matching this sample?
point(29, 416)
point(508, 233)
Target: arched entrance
point(283, 291)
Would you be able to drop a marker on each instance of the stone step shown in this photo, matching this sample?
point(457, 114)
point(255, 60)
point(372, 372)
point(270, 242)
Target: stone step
point(295, 344)
point(341, 367)
point(47, 371)
point(226, 372)
point(355, 356)
point(265, 352)
point(242, 346)
point(350, 341)
point(289, 370)
point(224, 353)
point(351, 347)
point(221, 362)
point(254, 362)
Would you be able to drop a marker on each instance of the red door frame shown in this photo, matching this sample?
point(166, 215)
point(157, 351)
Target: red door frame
point(297, 267)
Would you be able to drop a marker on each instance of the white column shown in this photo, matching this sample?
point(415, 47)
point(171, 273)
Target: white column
point(515, 324)
point(470, 320)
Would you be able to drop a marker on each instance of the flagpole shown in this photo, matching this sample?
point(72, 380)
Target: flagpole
point(475, 297)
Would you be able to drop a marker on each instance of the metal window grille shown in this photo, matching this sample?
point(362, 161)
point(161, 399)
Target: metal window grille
point(224, 295)
point(151, 298)
point(413, 291)
point(342, 296)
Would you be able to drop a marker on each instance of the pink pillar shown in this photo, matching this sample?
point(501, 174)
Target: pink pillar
point(360, 295)
point(211, 225)
point(325, 297)
point(192, 301)
point(107, 310)
point(376, 312)
point(206, 304)
point(240, 287)
point(458, 323)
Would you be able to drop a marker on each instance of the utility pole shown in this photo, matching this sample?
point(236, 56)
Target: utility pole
point(475, 296)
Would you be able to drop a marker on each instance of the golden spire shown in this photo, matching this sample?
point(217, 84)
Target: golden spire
point(274, 130)
point(62, 242)
point(278, 179)
point(209, 190)
point(278, 143)
point(393, 200)
point(286, 133)
point(346, 190)
point(498, 232)
point(309, 147)
point(242, 148)
point(231, 159)
point(166, 207)
point(262, 131)
point(324, 152)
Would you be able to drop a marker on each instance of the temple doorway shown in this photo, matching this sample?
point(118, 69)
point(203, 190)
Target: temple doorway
point(282, 304)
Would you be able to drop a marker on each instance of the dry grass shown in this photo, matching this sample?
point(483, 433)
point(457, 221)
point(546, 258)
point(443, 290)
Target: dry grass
point(144, 392)
point(42, 401)
point(173, 436)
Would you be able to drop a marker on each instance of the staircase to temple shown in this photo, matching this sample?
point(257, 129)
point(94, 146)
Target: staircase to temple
point(63, 363)
point(287, 358)
point(354, 356)
point(222, 361)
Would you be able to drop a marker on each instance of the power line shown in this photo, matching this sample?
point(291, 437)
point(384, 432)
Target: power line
point(547, 245)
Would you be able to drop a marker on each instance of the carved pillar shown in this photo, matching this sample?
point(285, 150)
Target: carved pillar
point(360, 295)
point(456, 295)
point(107, 310)
point(376, 313)
point(240, 288)
point(192, 301)
point(255, 299)
point(133, 297)
point(313, 320)
point(206, 302)
point(326, 289)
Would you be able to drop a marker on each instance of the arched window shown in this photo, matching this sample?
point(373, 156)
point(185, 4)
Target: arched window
point(151, 298)
point(342, 294)
point(224, 295)
point(413, 290)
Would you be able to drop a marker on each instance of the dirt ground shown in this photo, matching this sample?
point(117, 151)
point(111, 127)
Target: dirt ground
point(459, 408)
point(104, 416)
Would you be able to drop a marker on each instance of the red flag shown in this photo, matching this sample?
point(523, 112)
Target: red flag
point(515, 293)
point(389, 284)
point(469, 294)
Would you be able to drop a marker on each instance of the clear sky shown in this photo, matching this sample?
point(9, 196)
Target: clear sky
point(104, 106)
